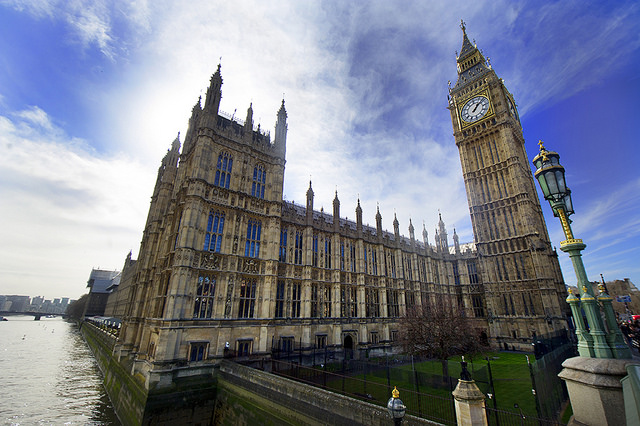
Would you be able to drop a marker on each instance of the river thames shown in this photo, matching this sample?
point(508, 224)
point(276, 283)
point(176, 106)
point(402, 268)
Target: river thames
point(48, 375)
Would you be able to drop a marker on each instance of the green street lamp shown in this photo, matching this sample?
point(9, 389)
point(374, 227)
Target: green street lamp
point(595, 340)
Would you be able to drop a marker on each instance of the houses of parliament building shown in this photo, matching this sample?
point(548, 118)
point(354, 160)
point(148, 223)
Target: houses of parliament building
point(227, 266)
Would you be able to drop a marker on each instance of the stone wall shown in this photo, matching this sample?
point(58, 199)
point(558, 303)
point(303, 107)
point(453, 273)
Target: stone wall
point(188, 400)
point(277, 400)
point(229, 395)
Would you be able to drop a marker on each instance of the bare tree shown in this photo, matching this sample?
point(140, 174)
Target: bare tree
point(439, 330)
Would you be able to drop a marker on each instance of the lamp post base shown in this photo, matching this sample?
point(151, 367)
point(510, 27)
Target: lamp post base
point(595, 390)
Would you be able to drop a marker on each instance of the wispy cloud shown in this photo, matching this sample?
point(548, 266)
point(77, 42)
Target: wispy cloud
point(64, 209)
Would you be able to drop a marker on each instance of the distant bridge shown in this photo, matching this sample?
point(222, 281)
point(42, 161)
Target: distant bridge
point(36, 315)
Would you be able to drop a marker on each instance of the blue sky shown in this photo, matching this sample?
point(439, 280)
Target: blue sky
point(93, 92)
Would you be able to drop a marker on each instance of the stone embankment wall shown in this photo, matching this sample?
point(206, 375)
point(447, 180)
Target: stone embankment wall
point(127, 394)
point(234, 394)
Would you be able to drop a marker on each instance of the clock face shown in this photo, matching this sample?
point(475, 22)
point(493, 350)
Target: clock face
point(475, 109)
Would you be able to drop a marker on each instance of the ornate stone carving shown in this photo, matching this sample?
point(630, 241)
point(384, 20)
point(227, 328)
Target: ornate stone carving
point(210, 261)
point(251, 266)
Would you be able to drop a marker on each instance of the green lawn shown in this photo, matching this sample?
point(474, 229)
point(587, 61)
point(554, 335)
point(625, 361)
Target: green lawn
point(512, 384)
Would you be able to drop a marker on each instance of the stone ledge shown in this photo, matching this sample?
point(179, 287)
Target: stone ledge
point(596, 372)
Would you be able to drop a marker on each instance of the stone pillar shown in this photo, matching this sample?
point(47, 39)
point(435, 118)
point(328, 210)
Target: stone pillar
point(469, 401)
point(595, 389)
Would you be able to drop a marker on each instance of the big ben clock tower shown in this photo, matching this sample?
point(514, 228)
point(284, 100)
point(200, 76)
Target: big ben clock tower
point(524, 290)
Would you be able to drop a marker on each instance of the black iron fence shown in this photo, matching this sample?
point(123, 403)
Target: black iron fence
point(370, 382)
point(427, 395)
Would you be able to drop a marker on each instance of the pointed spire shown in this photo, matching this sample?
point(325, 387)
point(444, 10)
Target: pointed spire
point(456, 241)
point(336, 212)
point(214, 93)
point(425, 235)
point(309, 204)
point(471, 62)
point(411, 230)
point(467, 46)
point(378, 221)
point(175, 145)
point(196, 106)
point(248, 122)
point(359, 217)
point(396, 225)
point(281, 127)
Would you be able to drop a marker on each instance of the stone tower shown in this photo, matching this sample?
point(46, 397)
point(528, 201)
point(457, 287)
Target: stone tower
point(523, 285)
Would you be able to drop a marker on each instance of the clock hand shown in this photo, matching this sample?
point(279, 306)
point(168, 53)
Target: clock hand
point(474, 110)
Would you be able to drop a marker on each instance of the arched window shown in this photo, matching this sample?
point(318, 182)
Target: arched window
point(252, 247)
point(203, 307)
point(213, 237)
point(259, 179)
point(223, 172)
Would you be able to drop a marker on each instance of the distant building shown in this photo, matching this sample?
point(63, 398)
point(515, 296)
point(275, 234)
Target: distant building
point(626, 297)
point(100, 282)
point(14, 303)
point(119, 297)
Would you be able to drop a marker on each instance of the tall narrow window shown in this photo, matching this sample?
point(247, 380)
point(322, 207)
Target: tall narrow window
point(342, 256)
point(259, 179)
point(223, 170)
point(282, 255)
point(348, 300)
point(298, 248)
point(314, 250)
point(326, 301)
point(203, 307)
point(524, 267)
point(393, 265)
point(247, 298)
point(252, 247)
point(533, 307)
point(456, 274)
point(393, 305)
point(372, 302)
point(478, 308)
point(353, 258)
point(374, 262)
point(504, 267)
point(213, 237)
point(280, 300)
point(366, 269)
point(315, 304)
point(327, 253)
point(473, 273)
point(296, 288)
point(498, 186)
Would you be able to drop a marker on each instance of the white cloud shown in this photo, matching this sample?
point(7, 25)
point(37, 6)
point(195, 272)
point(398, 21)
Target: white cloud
point(64, 209)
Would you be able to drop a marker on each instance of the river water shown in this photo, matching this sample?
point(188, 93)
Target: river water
point(48, 375)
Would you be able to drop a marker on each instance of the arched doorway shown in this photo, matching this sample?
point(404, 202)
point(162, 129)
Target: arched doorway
point(484, 339)
point(348, 347)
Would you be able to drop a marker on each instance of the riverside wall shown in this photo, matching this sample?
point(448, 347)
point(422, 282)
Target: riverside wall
point(230, 394)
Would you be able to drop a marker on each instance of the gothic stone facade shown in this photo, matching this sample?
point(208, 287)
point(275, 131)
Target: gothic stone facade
point(226, 266)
